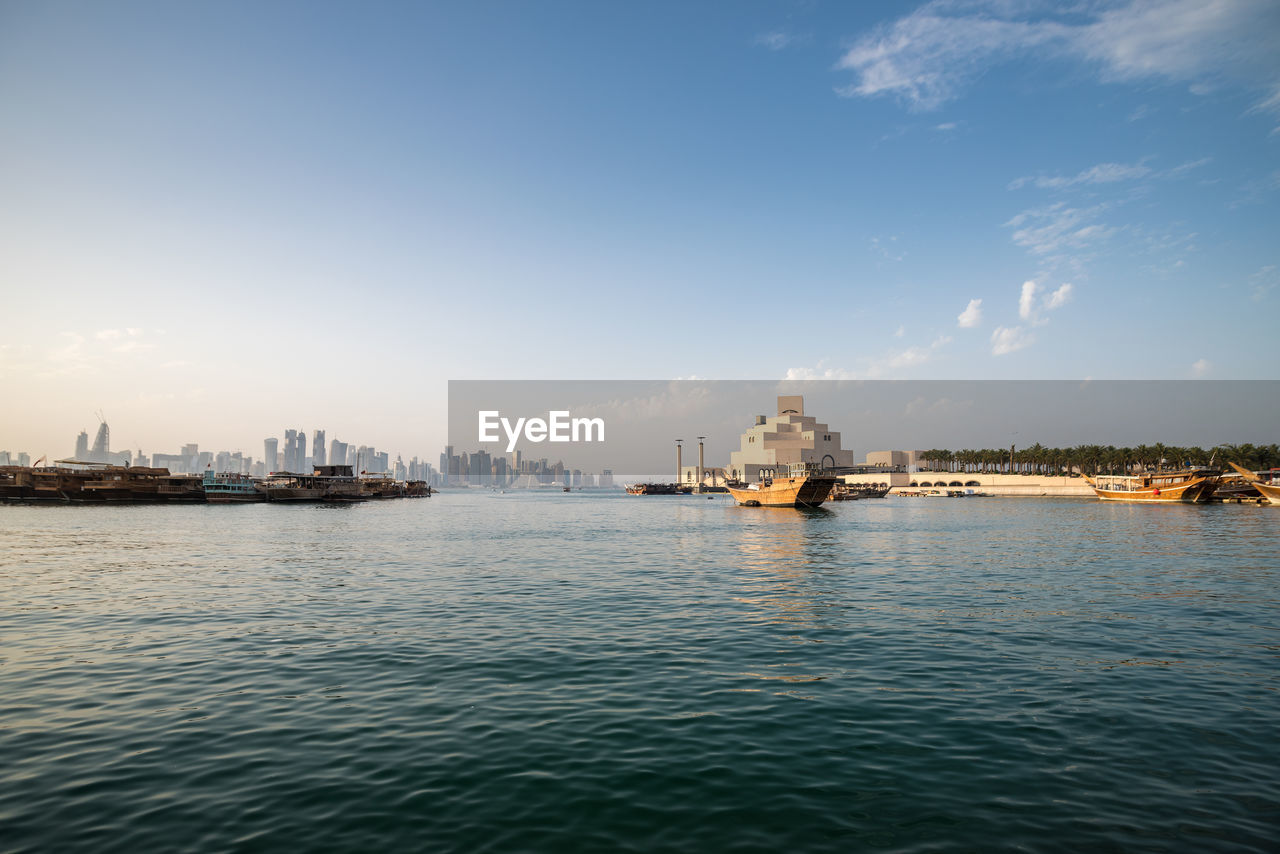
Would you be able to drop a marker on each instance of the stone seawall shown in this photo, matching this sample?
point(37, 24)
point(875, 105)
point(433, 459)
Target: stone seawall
point(1022, 485)
point(1019, 485)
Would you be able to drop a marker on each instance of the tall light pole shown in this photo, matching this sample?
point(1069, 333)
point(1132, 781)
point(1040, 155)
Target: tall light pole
point(679, 448)
point(700, 462)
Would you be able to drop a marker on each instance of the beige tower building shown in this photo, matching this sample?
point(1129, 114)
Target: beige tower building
point(775, 442)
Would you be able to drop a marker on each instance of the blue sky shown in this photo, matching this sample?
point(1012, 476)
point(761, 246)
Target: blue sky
point(222, 220)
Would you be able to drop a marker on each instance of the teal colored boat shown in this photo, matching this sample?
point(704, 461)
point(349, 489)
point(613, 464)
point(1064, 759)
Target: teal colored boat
point(227, 488)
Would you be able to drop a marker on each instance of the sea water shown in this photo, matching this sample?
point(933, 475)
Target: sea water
point(600, 672)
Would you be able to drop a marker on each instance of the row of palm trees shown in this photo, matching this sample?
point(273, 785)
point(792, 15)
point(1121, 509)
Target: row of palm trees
point(1098, 459)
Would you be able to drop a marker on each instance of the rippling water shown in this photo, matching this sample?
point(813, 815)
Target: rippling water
point(484, 672)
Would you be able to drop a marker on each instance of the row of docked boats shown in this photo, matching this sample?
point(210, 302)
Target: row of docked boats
point(807, 485)
point(108, 484)
point(1188, 486)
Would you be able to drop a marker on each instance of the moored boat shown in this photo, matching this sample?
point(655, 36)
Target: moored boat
point(804, 485)
point(653, 489)
point(76, 482)
point(1268, 489)
point(229, 488)
point(854, 491)
point(331, 483)
point(380, 486)
point(286, 486)
point(1185, 486)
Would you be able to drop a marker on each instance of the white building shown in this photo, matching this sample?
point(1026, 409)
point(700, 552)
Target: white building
point(910, 460)
point(775, 442)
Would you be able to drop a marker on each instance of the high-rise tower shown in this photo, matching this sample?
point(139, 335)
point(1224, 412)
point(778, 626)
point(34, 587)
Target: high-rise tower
point(291, 450)
point(101, 451)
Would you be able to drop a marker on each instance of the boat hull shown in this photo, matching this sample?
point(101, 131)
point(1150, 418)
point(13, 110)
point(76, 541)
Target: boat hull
point(1194, 491)
point(1270, 491)
point(805, 491)
point(295, 493)
point(235, 498)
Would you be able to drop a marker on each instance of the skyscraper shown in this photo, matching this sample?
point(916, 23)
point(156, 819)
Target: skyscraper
point(291, 450)
point(101, 452)
point(270, 454)
point(317, 448)
point(82, 447)
point(480, 468)
point(302, 451)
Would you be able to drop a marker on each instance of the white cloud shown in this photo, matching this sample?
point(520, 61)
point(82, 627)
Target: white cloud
point(1057, 227)
point(821, 372)
point(945, 126)
point(1059, 297)
point(1200, 368)
point(971, 316)
point(1264, 281)
point(1008, 339)
point(1031, 303)
point(908, 357)
point(916, 355)
point(1026, 300)
point(875, 368)
point(928, 57)
point(886, 250)
point(1106, 173)
point(902, 330)
point(1182, 168)
point(1103, 173)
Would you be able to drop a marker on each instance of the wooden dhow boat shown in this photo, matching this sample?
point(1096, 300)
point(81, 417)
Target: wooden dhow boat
point(804, 485)
point(1185, 486)
point(1268, 489)
point(653, 489)
point(326, 483)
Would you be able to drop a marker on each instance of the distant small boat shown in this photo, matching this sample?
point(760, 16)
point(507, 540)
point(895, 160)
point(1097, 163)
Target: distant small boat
point(653, 489)
point(804, 485)
point(1186, 486)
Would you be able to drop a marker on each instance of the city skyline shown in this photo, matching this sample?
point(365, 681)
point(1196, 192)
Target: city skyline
point(190, 458)
point(320, 215)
